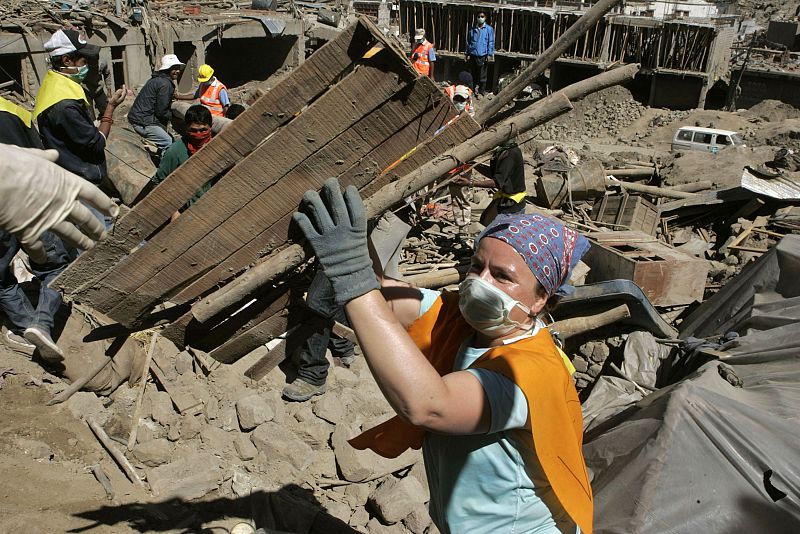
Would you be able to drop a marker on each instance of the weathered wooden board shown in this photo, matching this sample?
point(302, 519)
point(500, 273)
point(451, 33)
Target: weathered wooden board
point(274, 109)
point(250, 195)
point(405, 121)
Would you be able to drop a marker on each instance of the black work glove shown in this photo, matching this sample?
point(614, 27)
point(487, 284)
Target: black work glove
point(336, 227)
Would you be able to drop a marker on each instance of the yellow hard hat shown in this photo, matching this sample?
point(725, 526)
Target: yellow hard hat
point(204, 73)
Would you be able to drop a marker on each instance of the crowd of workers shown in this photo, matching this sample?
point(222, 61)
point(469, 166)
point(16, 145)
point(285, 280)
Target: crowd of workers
point(473, 375)
point(73, 116)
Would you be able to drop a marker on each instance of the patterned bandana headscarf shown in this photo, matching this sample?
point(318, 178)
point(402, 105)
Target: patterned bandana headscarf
point(549, 248)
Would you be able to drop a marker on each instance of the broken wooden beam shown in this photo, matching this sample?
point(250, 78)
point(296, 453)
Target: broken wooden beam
point(650, 190)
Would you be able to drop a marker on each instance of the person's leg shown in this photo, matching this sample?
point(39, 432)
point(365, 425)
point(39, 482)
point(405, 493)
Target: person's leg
point(312, 366)
point(41, 325)
point(476, 74)
point(483, 66)
point(13, 301)
point(341, 348)
point(155, 134)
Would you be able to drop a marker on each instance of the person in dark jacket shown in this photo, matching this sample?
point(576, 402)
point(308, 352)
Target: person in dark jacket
point(507, 169)
point(151, 111)
point(30, 324)
point(63, 113)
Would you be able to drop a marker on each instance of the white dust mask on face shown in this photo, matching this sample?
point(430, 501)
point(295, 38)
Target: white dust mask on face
point(460, 106)
point(487, 309)
point(481, 20)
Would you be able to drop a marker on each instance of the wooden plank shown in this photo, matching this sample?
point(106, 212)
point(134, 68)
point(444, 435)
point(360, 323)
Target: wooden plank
point(267, 330)
point(347, 152)
point(271, 111)
point(185, 402)
point(154, 266)
point(262, 367)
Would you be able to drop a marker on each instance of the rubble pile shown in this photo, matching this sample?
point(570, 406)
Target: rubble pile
point(603, 114)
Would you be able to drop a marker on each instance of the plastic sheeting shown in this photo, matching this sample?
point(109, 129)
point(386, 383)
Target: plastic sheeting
point(704, 455)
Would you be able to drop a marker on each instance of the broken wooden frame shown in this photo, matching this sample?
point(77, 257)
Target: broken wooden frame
point(355, 107)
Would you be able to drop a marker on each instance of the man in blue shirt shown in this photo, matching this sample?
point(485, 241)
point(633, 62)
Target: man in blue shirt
point(480, 51)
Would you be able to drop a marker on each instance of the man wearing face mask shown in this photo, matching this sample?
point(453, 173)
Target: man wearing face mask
point(423, 56)
point(476, 380)
point(461, 96)
point(480, 51)
point(198, 133)
point(63, 113)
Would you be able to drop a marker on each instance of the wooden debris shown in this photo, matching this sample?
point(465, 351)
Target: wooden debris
point(115, 453)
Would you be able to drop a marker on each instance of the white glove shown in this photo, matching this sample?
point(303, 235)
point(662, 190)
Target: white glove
point(37, 195)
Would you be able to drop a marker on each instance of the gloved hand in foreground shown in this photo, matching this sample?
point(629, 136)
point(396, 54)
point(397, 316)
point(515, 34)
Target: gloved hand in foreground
point(37, 195)
point(336, 227)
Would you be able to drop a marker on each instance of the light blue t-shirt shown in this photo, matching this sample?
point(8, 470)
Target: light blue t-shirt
point(490, 482)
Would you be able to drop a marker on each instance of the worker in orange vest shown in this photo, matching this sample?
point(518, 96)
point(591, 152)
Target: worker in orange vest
point(423, 56)
point(461, 96)
point(212, 93)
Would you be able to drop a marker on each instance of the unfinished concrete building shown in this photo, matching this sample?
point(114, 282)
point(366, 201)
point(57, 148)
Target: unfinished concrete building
point(229, 41)
point(682, 60)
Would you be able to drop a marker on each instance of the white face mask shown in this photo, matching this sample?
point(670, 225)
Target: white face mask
point(460, 106)
point(481, 20)
point(487, 309)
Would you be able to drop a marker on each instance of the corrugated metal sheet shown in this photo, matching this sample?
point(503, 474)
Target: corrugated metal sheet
point(781, 188)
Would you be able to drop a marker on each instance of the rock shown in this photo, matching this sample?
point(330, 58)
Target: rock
point(580, 364)
point(252, 411)
point(316, 432)
point(376, 527)
point(337, 509)
point(418, 471)
point(418, 520)
point(276, 403)
point(600, 352)
point(153, 453)
point(330, 408)
point(394, 500)
point(595, 369)
point(216, 440)
point(323, 463)
point(161, 408)
point(228, 420)
point(304, 414)
point(212, 409)
point(87, 404)
point(244, 484)
point(244, 447)
point(359, 518)
point(278, 443)
point(190, 427)
point(357, 466)
point(174, 433)
point(357, 494)
point(581, 383)
point(184, 479)
point(38, 450)
point(184, 363)
point(345, 378)
point(586, 349)
point(583, 376)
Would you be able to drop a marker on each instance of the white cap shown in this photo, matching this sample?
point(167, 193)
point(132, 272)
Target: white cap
point(419, 33)
point(169, 61)
point(69, 41)
point(462, 91)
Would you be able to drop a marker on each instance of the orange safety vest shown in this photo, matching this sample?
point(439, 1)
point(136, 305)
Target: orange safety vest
point(534, 365)
point(420, 55)
point(451, 90)
point(210, 98)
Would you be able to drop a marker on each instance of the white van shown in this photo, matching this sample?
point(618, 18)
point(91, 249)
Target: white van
point(705, 139)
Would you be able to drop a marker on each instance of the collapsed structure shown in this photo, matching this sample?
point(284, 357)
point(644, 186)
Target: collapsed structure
point(211, 303)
